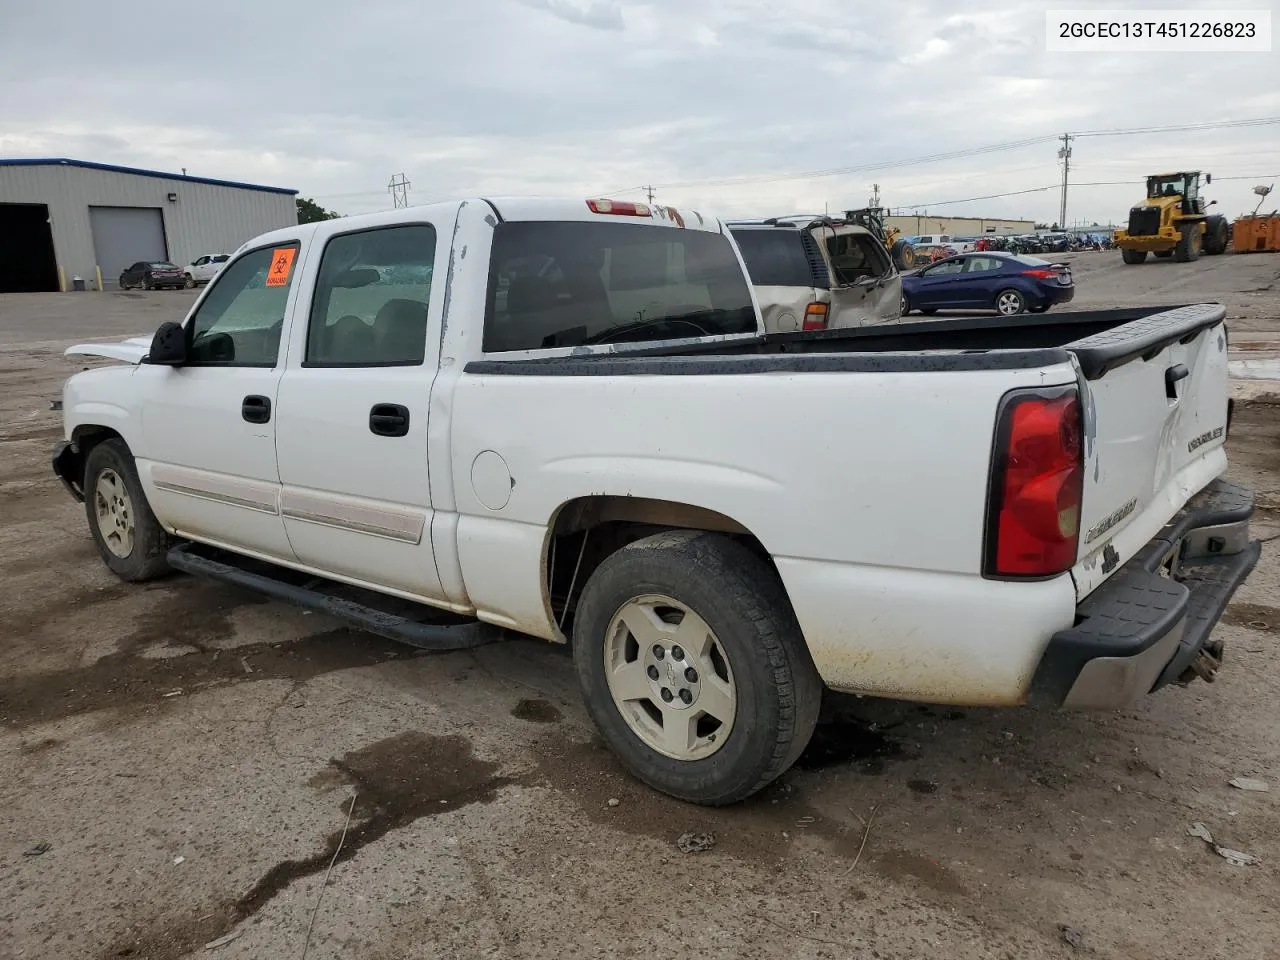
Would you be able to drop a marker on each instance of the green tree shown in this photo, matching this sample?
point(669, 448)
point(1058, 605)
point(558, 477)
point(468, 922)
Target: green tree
point(311, 212)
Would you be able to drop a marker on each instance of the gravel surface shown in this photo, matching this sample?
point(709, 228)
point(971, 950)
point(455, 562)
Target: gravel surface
point(178, 762)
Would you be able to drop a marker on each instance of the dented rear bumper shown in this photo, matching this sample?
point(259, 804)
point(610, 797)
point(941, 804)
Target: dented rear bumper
point(1150, 624)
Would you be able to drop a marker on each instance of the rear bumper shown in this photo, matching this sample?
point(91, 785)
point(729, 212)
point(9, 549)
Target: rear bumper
point(1052, 293)
point(1150, 624)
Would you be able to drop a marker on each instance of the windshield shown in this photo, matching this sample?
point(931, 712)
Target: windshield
point(563, 284)
point(1170, 186)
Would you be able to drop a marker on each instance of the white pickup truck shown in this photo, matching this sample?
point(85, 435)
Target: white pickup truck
point(564, 419)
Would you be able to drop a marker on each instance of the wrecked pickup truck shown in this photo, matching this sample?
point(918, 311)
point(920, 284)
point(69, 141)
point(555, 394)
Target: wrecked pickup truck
point(564, 419)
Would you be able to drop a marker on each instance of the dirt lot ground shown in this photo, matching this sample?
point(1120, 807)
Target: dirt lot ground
point(178, 761)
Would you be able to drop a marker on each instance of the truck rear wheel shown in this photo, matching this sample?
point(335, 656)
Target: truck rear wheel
point(1188, 246)
point(693, 667)
point(127, 534)
point(1133, 256)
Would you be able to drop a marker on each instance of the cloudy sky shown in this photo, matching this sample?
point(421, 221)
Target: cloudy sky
point(597, 97)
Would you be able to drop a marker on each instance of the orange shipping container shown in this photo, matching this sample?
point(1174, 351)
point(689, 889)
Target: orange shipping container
point(1256, 234)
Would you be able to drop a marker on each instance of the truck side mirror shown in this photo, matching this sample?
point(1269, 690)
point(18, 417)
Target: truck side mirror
point(168, 346)
point(1208, 178)
point(1212, 202)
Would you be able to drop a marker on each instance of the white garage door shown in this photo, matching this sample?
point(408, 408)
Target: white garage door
point(124, 235)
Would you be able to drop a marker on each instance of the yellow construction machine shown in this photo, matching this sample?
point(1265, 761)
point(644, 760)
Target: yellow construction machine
point(901, 252)
point(1173, 221)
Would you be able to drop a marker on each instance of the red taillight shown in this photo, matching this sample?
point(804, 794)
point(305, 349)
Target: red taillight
point(1040, 274)
point(815, 316)
point(1037, 483)
point(619, 208)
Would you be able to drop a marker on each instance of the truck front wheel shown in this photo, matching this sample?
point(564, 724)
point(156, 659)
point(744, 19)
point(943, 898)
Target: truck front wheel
point(1189, 240)
point(127, 534)
point(693, 666)
point(1133, 256)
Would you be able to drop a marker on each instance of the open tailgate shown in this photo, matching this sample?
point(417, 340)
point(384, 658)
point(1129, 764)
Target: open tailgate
point(1154, 395)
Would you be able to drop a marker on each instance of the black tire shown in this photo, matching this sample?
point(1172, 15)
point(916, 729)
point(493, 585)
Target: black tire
point(147, 559)
point(1190, 239)
point(904, 306)
point(188, 281)
point(1216, 236)
point(1010, 303)
point(123, 284)
point(1163, 254)
point(1133, 256)
point(903, 254)
point(739, 596)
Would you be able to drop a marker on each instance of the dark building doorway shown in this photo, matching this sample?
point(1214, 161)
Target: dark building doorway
point(27, 262)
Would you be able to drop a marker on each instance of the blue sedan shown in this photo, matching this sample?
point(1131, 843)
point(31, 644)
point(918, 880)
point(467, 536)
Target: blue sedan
point(992, 280)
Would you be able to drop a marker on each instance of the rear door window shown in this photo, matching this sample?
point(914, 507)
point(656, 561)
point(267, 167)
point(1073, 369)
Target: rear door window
point(371, 298)
point(983, 264)
point(574, 283)
point(775, 257)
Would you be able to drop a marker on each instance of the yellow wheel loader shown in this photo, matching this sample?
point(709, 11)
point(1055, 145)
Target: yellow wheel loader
point(901, 252)
point(1173, 221)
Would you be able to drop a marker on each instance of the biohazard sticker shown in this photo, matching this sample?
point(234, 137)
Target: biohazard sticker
point(281, 265)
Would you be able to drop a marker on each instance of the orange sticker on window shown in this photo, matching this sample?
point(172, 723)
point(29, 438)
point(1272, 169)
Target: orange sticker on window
point(281, 264)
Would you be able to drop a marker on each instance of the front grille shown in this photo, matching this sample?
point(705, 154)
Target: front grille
point(1144, 221)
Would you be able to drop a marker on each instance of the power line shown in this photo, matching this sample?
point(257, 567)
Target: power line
point(863, 168)
point(970, 152)
point(1054, 186)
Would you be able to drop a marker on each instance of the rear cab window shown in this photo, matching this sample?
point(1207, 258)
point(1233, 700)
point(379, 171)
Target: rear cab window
point(576, 283)
point(775, 257)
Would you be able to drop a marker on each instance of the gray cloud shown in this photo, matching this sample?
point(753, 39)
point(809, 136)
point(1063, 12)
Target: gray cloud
point(581, 96)
point(601, 14)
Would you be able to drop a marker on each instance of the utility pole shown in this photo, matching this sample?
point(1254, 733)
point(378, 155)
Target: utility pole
point(648, 192)
point(875, 195)
point(399, 188)
point(1064, 154)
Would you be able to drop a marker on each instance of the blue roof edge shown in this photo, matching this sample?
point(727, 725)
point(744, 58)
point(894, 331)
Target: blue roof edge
point(137, 171)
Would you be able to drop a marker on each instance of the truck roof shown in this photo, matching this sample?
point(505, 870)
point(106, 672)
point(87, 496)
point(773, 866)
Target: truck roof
point(521, 209)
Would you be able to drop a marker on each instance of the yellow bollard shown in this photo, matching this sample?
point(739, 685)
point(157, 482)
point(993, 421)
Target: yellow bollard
point(98, 270)
point(62, 280)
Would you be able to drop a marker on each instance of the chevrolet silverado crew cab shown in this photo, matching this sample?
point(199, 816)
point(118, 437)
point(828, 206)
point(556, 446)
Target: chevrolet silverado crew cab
point(564, 419)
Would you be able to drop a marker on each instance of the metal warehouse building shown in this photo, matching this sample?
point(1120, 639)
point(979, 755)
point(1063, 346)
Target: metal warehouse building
point(915, 226)
point(61, 218)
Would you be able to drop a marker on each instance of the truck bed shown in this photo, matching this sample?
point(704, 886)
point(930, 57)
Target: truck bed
point(1100, 340)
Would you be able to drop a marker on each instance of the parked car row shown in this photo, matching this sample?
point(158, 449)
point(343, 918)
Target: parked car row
point(161, 274)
